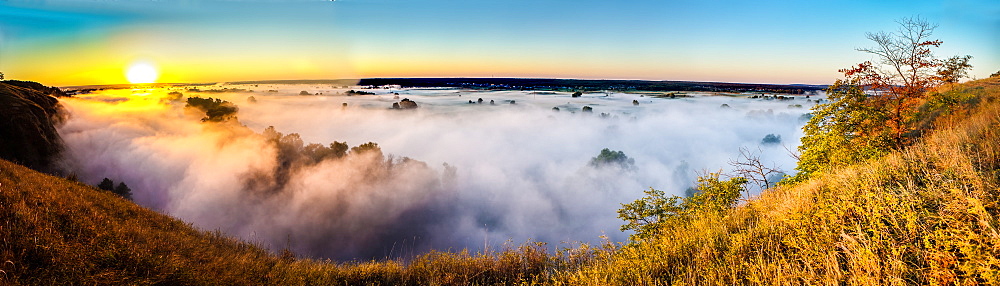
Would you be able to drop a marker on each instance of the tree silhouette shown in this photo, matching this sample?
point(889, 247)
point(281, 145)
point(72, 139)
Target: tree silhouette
point(216, 110)
point(365, 148)
point(771, 139)
point(123, 190)
point(339, 149)
point(106, 184)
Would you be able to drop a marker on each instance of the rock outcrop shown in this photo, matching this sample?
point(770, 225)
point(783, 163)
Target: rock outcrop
point(30, 114)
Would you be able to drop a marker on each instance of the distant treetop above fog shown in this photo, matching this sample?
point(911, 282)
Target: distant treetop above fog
point(612, 158)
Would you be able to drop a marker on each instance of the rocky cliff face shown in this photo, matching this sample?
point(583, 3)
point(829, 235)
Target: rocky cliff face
point(28, 116)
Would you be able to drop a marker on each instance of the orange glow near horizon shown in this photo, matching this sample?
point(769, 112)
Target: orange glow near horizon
point(115, 60)
point(66, 43)
point(99, 68)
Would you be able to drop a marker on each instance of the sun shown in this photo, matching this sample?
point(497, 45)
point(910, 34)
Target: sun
point(141, 72)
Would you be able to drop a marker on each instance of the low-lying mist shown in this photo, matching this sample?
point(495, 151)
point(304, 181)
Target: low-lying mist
point(480, 174)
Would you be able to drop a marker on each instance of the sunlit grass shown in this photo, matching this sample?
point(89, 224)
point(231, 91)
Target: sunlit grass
point(59, 232)
point(926, 215)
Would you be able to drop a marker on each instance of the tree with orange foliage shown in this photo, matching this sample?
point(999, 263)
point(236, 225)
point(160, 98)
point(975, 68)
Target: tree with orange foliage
point(873, 109)
point(906, 69)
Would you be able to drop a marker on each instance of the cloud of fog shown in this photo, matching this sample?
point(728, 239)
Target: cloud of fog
point(518, 171)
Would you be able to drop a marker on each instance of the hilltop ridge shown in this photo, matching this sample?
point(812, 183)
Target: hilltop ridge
point(31, 111)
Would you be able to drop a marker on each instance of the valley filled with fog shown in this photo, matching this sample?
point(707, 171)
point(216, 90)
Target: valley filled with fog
point(451, 174)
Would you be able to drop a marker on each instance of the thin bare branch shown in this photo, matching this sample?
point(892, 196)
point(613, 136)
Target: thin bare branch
point(750, 166)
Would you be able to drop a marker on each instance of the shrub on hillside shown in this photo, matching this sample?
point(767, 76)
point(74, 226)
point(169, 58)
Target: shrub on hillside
point(121, 190)
point(656, 212)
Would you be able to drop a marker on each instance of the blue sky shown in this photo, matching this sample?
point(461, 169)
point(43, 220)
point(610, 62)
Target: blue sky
point(72, 42)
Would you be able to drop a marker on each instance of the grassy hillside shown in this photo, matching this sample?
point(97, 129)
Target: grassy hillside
point(59, 232)
point(926, 215)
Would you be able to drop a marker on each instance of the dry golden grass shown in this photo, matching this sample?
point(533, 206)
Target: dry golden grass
point(926, 215)
point(59, 232)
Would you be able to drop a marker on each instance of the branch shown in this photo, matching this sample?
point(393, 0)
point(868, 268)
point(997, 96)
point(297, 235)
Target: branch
point(750, 166)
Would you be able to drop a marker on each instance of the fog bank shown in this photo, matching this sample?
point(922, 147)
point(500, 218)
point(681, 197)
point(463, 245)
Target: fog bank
point(480, 174)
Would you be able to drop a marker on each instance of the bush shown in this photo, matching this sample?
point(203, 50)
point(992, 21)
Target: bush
point(106, 184)
point(656, 212)
point(121, 190)
point(846, 130)
point(612, 158)
point(771, 139)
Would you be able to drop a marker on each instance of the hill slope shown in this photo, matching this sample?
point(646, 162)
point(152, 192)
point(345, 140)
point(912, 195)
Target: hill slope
point(926, 215)
point(59, 232)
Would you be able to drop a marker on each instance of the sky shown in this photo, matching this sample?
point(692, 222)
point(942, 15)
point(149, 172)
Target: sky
point(90, 42)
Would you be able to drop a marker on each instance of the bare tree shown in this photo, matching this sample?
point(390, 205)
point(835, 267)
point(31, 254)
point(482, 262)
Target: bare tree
point(749, 166)
point(906, 61)
point(906, 69)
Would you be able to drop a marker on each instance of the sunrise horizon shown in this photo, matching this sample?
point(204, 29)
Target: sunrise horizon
point(323, 80)
point(74, 42)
